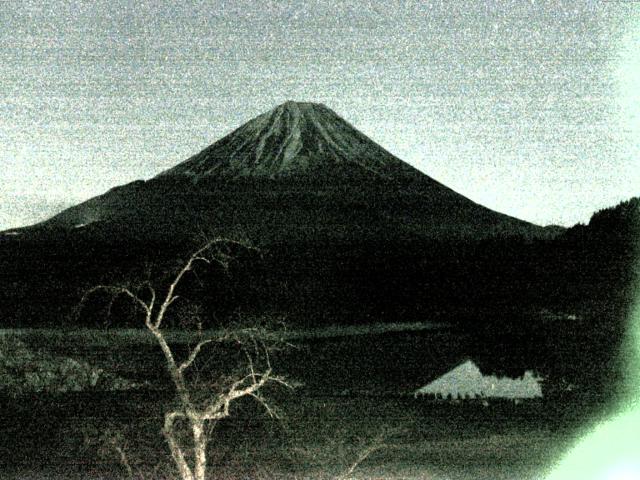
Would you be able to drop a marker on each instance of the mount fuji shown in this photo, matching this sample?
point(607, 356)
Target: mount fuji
point(345, 230)
point(297, 172)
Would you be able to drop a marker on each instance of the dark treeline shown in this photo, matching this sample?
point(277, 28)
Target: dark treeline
point(466, 282)
point(556, 305)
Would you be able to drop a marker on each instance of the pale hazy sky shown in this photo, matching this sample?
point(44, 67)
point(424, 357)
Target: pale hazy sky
point(529, 107)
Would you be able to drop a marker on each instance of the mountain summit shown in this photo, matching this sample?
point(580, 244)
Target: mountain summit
point(294, 138)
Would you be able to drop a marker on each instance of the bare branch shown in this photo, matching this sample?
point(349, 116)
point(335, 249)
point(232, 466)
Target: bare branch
point(116, 292)
point(152, 303)
point(270, 411)
point(194, 353)
point(197, 256)
point(238, 389)
point(124, 460)
point(174, 371)
point(173, 299)
point(201, 259)
point(377, 444)
point(284, 382)
point(361, 458)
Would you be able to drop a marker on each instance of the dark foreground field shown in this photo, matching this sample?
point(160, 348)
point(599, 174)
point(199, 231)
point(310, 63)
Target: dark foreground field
point(355, 395)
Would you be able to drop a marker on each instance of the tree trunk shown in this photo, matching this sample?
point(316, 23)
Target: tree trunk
point(199, 449)
point(176, 451)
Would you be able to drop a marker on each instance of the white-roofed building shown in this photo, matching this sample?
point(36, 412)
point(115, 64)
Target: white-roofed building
point(466, 381)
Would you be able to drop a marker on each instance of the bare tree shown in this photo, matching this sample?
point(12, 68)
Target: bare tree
point(365, 451)
point(345, 451)
point(196, 407)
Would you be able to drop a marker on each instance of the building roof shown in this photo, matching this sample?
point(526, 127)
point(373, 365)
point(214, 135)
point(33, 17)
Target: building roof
point(467, 381)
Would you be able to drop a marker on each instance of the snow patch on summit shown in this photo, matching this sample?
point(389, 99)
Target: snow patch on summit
point(293, 138)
